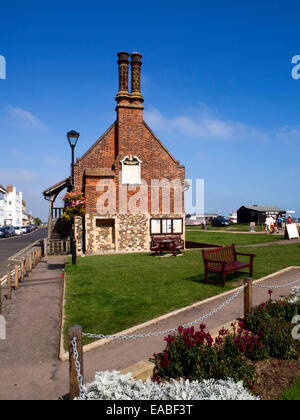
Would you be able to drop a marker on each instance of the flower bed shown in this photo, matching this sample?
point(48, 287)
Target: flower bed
point(264, 335)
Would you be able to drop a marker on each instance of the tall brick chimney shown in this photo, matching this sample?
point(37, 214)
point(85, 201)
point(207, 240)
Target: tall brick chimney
point(123, 62)
point(130, 108)
point(136, 64)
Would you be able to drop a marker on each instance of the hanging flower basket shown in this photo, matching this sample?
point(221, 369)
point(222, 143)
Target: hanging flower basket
point(74, 205)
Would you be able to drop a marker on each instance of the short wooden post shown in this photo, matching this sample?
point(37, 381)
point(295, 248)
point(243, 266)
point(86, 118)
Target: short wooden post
point(26, 266)
point(22, 271)
point(248, 296)
point(30, 263)
point(33, 259)
point(9, 293)
point(75, 332)
point(0, 298)
point(16, 277)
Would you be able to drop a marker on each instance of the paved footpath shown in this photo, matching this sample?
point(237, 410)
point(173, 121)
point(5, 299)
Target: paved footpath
point(30, 369)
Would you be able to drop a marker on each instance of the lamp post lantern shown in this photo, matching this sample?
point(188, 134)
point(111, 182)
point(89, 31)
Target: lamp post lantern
point(73, 137)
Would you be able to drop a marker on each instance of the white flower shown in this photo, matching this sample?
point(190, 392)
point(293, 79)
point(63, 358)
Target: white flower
point(294, 297)
point(114, 386)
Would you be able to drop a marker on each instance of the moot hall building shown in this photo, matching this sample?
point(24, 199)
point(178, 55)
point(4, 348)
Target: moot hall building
point(128, 164)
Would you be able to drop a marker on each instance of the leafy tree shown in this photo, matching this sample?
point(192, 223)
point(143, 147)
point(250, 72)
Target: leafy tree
point(37, 221)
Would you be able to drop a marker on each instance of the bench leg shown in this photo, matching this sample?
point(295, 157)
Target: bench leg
point(251, 267)
point(206, 277)
point(223, 278)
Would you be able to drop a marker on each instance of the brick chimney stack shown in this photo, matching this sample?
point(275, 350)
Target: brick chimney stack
point(123, 62)
point(136, 64)
point(129, 123)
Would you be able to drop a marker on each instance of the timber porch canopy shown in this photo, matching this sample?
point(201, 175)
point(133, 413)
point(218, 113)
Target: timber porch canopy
point(52, 193)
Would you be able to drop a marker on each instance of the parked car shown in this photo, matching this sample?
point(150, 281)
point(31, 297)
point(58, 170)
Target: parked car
point(11, 230)
point(18, 230)
point(28, 229)
point(24, 230)
point(4, 233)
point(220, 221)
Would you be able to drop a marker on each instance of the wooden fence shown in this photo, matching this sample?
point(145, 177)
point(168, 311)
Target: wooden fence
point(18, 274)
point(57, 246)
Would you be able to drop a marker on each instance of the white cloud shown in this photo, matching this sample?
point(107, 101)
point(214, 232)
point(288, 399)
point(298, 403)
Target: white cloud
point(16, 176)
point(25, 117)
point(19, 155)
point(288, 135)
point(204, 125)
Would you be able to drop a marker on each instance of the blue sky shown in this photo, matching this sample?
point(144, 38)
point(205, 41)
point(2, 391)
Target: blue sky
point(216, 81)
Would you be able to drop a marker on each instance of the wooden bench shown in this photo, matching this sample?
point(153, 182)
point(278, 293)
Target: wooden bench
point(224, 261)
point(164, 243)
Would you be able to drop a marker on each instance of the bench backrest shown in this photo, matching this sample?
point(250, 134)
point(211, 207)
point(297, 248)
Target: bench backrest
point(226, 253)
point(156, 239)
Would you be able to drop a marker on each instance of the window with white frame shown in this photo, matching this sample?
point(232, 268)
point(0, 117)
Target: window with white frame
point(166, 226)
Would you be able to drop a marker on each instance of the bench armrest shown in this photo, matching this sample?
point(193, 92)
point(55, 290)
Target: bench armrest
point(246, 255)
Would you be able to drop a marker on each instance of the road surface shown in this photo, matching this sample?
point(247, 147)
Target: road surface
point(10, 246)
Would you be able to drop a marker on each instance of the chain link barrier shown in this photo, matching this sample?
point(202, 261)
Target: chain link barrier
point(164, 332)
point(78, 369)
point(282, 286)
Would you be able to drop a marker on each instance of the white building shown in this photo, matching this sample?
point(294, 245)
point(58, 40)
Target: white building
point(3, 198)
point(14, 207)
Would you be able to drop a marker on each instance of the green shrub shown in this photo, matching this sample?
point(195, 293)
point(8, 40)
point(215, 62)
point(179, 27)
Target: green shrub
point(271, 321)
point(192, 355)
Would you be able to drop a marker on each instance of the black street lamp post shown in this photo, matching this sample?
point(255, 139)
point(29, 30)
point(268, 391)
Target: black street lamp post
point(73, 137)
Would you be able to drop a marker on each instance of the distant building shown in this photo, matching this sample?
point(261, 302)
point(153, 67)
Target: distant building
point(3, 197)
point(30, 219)
point(233, 217)
point(24, 215)
point(258, 214)
point(13, 211)
point(198, 218)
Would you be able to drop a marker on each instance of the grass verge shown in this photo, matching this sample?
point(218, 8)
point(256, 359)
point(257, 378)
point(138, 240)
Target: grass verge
point(292, 393)
point(221, 238)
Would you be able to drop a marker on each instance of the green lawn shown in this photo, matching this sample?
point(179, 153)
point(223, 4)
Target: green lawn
point(109, 293)
point(292, 393)
point(242, 227)
point(220, 238)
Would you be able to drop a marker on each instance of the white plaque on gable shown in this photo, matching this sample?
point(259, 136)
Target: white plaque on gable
point(131, 170)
